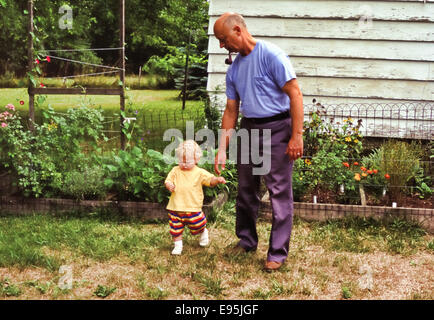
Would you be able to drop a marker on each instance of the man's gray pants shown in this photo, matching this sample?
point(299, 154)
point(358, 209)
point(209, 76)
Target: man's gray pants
point(278, 181)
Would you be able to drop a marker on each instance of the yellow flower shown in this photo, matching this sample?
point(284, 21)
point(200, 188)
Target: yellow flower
point(356, 141)
point(348, 139)
point(357, 177)
point(308, 162)
point(364, 174)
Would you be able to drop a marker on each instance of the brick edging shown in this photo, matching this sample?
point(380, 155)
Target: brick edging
point(143, 210)
point(325, 211)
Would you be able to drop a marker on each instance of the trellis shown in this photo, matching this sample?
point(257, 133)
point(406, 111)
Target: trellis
point(78, 91)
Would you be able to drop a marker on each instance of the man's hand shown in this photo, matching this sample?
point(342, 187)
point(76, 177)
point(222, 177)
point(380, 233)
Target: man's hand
point(220, 159)
point(170, 186)
point(295, 147)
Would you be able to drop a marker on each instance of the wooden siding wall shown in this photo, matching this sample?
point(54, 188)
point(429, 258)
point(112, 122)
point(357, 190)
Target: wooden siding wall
point(344, 52)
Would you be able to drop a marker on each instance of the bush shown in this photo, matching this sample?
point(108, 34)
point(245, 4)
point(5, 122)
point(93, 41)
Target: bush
point(85, 184)
point(401, 161)
point(40, 158)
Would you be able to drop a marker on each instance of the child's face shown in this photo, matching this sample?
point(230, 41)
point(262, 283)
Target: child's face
point(187, 163)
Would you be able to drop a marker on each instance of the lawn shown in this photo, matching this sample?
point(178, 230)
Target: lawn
point(115, 258)
point(154, 111)
point(148, 100)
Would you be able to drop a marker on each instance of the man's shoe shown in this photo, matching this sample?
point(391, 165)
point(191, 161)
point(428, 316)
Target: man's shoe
point(271, 266)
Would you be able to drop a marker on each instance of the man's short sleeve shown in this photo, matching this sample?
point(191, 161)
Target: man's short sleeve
point(231, 92)
point(282, 70)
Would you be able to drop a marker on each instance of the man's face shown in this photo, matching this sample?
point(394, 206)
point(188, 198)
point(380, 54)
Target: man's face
point(227, 38)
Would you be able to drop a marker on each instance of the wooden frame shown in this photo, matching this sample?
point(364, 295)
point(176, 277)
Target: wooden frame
point(77, 91)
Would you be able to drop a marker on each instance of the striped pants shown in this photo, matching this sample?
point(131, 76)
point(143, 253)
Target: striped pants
point(195, 221)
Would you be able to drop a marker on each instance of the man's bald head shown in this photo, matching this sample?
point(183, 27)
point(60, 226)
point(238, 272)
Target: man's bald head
point(229, 20)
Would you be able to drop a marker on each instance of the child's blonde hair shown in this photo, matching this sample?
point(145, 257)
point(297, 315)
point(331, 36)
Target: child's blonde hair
point(190, 150)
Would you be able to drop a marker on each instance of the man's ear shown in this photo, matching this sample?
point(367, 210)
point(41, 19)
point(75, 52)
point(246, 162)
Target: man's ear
point(237, 30)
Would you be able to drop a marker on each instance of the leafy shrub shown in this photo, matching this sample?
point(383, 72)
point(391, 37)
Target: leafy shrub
point(39, 158)
point(85, 184)
point(134, 175)
point(401, 161)
point(172, 67)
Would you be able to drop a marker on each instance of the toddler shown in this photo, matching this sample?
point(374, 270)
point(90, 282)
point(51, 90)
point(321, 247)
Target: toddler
point(185, 182)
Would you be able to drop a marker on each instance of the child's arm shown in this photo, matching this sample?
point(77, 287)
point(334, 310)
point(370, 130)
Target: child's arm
point(216, 180)
point(169, 182)
point(170, 186)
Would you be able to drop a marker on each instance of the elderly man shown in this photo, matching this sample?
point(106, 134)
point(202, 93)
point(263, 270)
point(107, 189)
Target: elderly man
point(262, 85)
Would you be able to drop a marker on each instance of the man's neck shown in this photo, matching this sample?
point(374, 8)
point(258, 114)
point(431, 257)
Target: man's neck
point(249, 45)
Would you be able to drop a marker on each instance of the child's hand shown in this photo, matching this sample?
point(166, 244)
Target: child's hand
point(216, 180)
point(221, 180)
point(170, 186)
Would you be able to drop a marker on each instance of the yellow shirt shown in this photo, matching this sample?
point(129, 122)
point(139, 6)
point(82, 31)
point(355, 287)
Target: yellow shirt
point(188, 194)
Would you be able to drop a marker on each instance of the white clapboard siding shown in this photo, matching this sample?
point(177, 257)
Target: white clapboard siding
point(332, 29)
point(356, 88)
point(341, 67)
point(350, 53)
point(377, 10)
point(389, 50)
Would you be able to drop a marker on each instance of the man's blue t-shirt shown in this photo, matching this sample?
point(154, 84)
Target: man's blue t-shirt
point(257, 80)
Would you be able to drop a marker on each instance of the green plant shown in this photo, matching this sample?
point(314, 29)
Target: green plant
point(87, 183)
point(401, 162)
point(134, 175)
point(322, 134)
point(56, 146)
point(8, 289)
point(103, 291)
point(346, 292)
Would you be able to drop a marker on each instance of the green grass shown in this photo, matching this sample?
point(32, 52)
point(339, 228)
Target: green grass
point(142, 100)
point(123, 258)
point(155, 111)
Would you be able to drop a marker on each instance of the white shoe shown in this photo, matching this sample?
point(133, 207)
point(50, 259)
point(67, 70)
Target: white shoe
point(204, 239)
point(178, 248)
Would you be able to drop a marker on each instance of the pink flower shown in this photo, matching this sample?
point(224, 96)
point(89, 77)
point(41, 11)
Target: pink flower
point(37, 61)
point(42, 85)
point(4, 125)
point(48, 59)
point(10, 106)
point(21, 102)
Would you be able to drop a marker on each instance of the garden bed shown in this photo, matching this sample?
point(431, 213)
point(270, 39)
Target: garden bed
point(145, 211)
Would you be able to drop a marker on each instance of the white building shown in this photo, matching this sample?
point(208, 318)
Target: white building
point(374, 59)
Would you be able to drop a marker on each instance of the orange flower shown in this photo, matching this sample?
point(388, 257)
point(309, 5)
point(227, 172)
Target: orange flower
point(363, 168)
point(356, 163)
point(346, 164)
point(387, 176)
point(370, 171)
point(375, 171)
point(364, 175)
point(357, 177)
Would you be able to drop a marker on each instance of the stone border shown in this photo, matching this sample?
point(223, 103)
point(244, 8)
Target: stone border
point(322, 212)
point(142, 210)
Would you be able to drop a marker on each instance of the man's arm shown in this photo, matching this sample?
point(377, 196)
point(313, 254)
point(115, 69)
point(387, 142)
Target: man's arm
point(295, 145)
point(229, 121)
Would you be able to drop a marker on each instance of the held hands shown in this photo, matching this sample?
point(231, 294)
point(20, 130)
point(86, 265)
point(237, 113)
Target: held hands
point(170, 186)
